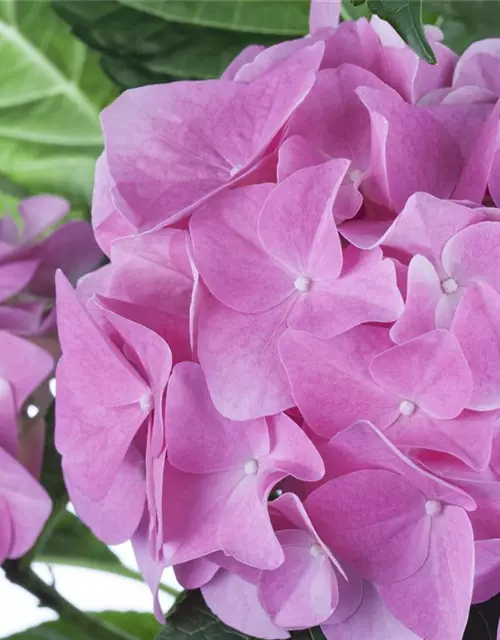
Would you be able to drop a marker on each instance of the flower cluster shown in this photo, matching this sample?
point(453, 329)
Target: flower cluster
point(286, 382)
point(28, 261)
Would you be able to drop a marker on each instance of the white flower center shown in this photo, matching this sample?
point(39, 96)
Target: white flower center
point(146, 402)
point(449, 285)
point(433, 507)
point(302, 284)
point(251, 467)
point(235, 170)
point(407, 407)
point(355, 175)
point(316, 550)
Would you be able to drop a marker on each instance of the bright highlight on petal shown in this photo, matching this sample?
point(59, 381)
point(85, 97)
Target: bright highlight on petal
point(433, 507)
point(251, 468)
point(302, 284)
point(449, 285)
point(407, 408)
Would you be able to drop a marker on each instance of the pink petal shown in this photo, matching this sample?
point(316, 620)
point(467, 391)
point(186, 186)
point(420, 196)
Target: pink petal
point(269, 57)
point(246, 56)
point(479, 65)
point(468, 436)
point(26, 319)
point(6, 532)
point(430, 371)
point(28, 504)
point(172, 327)
point(150, 568)
point(245, 529)
point(330, 380)
point(373, 519)
point(474, 178)
point(107, 221)
point(15, 276)
point(426, 224)
point(303, 591)
point(9, 428)
point(371, 620)
point(115, 518)
point(200, 439)
point(39, 213)
point(220, 511)
point(473, 254)
point(350, 596)
point(353, 42)
point(239, 356)
point(487, 569)
point(476, 325)
point(296, 226)
point(99, 396)
point(149, 353)
point(201, 133)
point(433, 169)
point(72, 249)
point(292, 451)
point(297, 153)
point(229, 255)
point(24, 365)
point(365, 292)
point(424, 293)
point(153, 270)
point(196, 573)
point(334, 119)
point(287, 510)
point(405, 71)
point(434, 602)
point(363, 446)
point(494, 181)
point(236, 603)
point(192, 510)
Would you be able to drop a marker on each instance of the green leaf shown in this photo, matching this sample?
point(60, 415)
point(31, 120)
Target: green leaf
point(465, 21)
point(191, 619)
point(137, 625)
point(145, 43)
point(67, 541)
point(51, 92)
point(71, 543)
point(286, 18)
point(406, 17)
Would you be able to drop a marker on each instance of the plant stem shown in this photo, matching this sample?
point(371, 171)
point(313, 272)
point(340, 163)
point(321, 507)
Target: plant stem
point(26, 578)
point(119, 569)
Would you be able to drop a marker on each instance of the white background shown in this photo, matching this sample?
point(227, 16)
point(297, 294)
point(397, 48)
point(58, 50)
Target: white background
point(87, 589)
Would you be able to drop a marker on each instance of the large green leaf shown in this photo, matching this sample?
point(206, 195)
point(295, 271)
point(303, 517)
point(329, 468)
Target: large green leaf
point(51, 92)
point(192, 620)
point(142, 626)
point(465, 21)
point(144, 42)
point(277, 17)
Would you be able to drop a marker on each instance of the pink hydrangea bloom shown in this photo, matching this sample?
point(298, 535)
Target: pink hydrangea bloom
point(302, 300)
point(24, 505)
point(29, 259)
